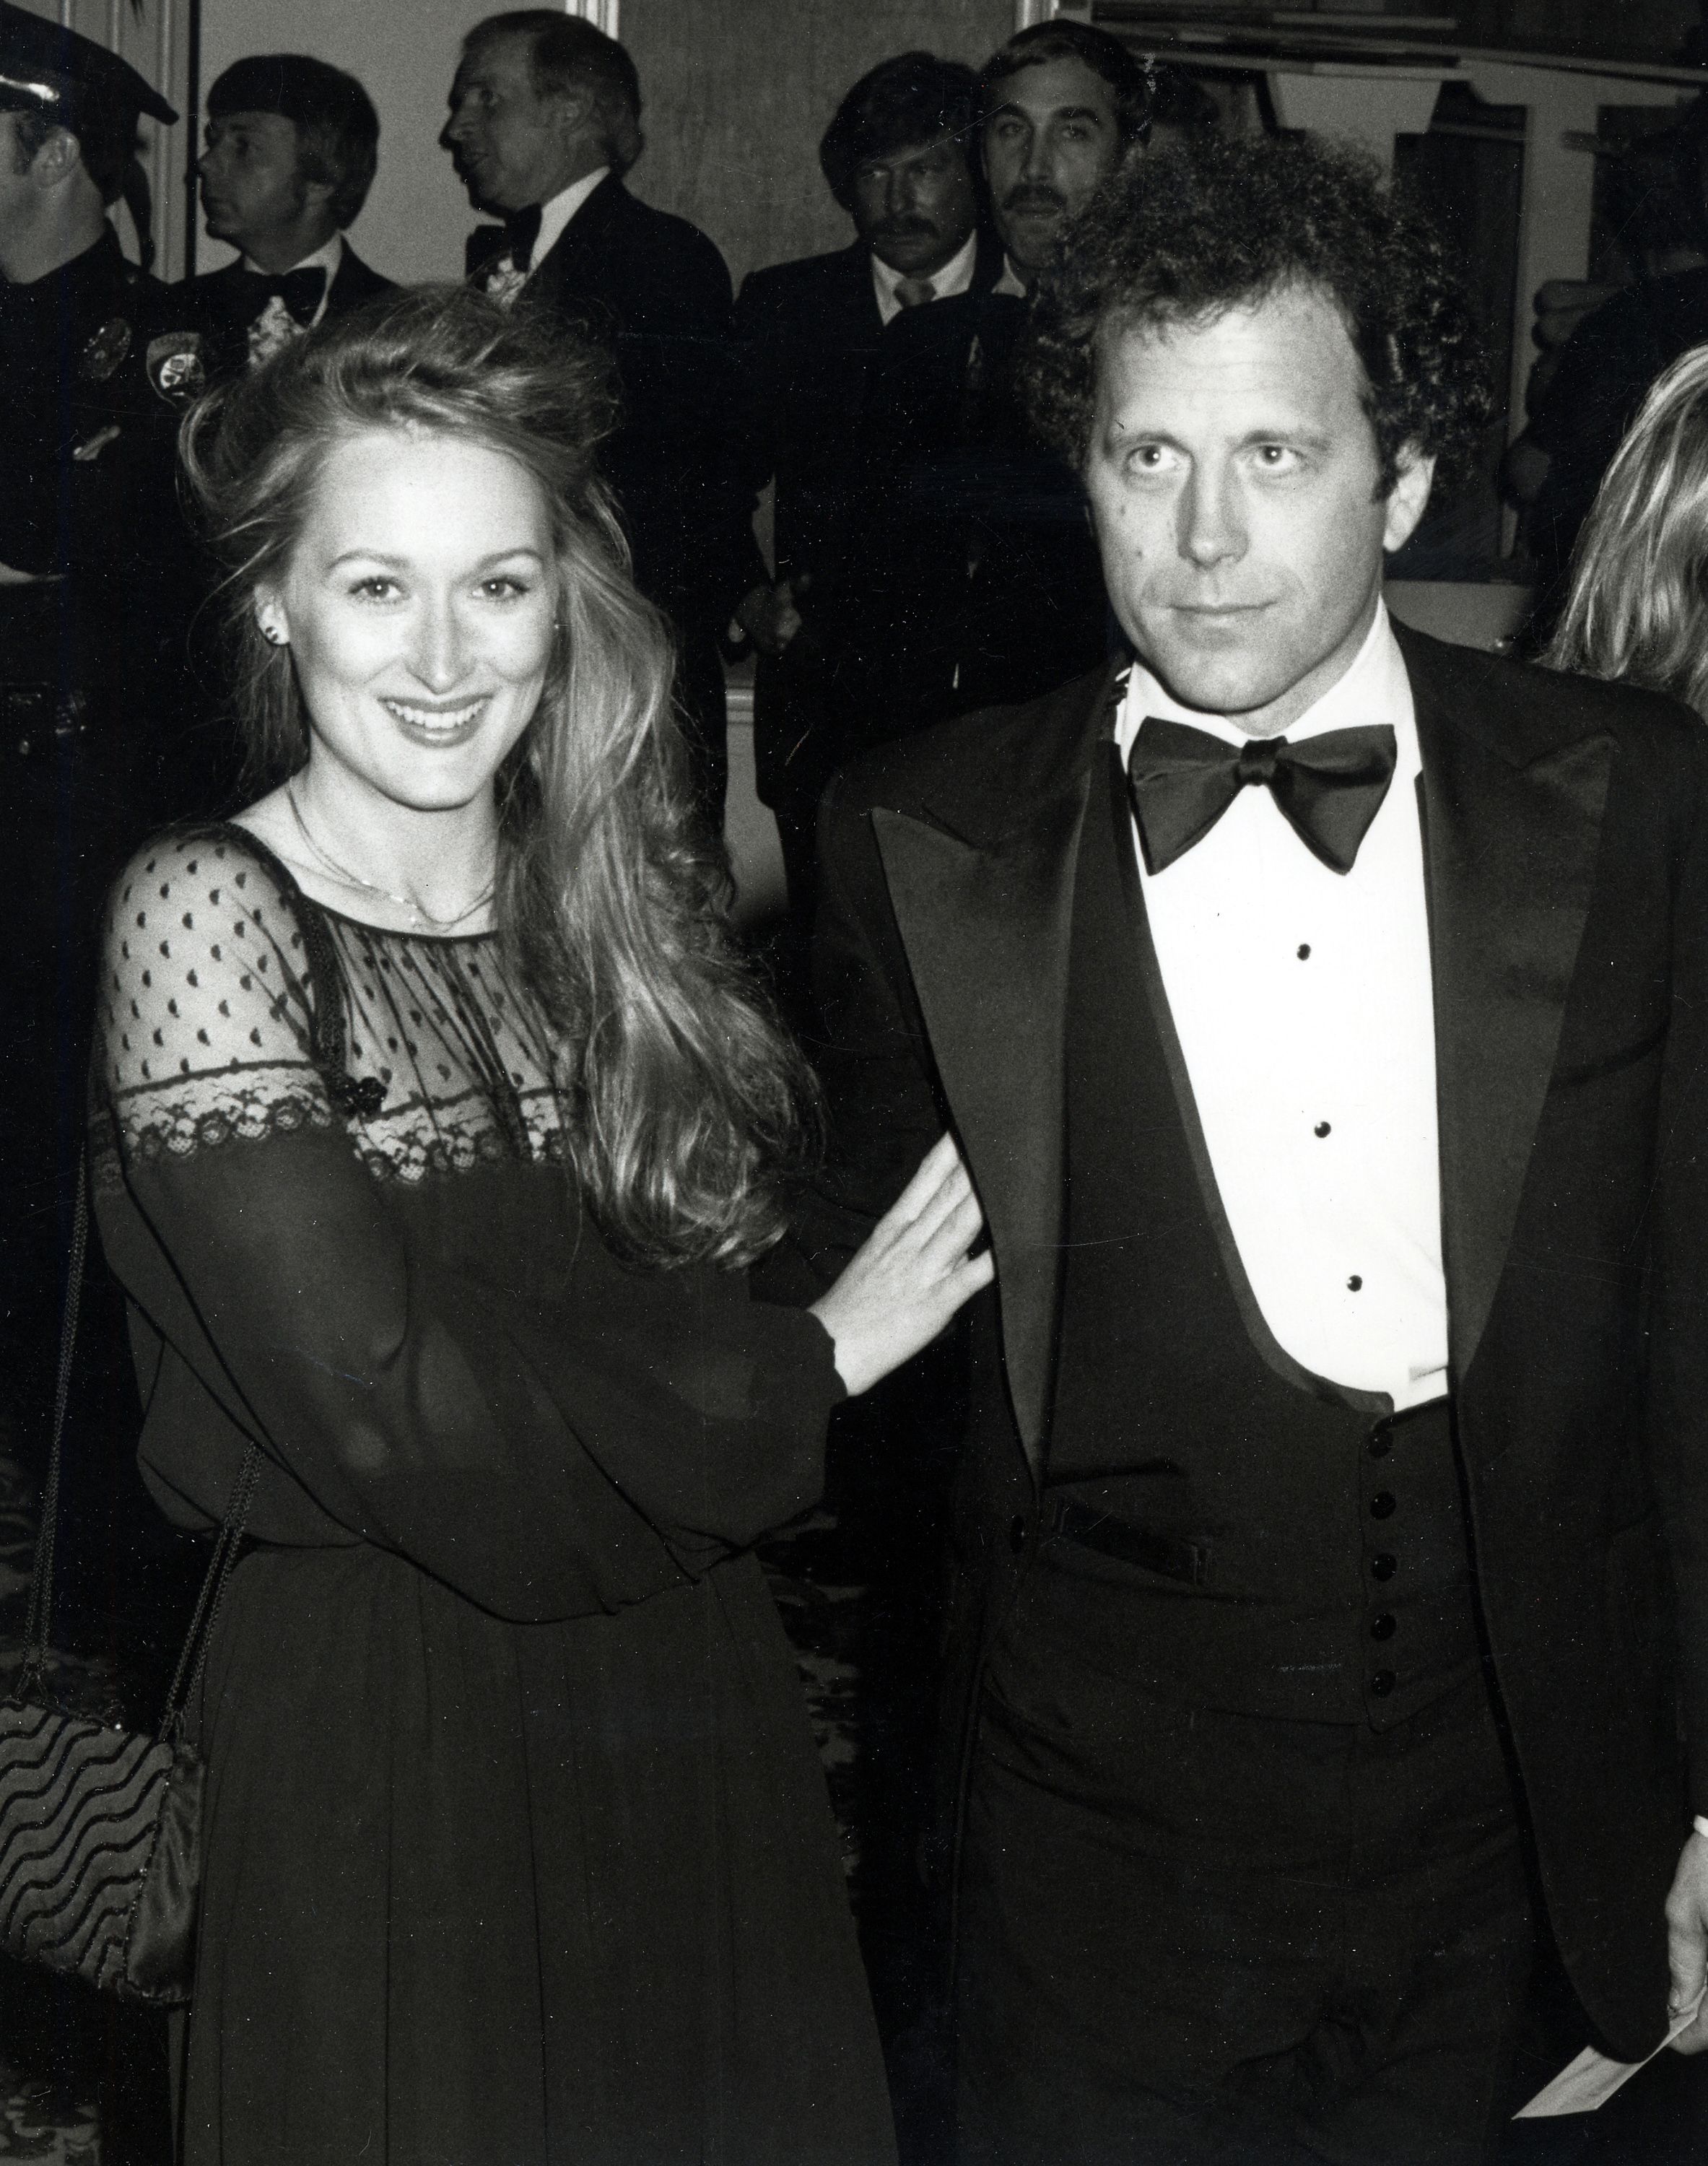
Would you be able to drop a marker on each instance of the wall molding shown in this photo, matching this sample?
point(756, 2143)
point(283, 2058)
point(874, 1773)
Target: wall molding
point(601, 13)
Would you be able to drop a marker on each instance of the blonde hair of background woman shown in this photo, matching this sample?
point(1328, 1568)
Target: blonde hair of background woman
point(686, 1103)
point(1638, 607)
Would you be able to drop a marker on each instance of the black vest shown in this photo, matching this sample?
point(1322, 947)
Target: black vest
point(1328, 1574)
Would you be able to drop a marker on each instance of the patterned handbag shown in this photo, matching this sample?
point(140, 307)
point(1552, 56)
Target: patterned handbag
point(100, 1826)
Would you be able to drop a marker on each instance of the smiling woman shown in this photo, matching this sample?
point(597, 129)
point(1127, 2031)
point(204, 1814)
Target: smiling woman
point(418, 605)
point(435, 1120)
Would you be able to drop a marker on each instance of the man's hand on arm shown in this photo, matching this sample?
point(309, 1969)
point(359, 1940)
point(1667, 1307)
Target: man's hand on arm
point(769, 618)
point(1524, 468)
point(1687, 1939)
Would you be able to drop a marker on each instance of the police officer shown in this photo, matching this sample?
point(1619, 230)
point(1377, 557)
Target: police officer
point(95, 593)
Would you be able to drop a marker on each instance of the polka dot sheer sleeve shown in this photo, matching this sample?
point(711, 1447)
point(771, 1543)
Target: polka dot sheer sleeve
point(205, 1017)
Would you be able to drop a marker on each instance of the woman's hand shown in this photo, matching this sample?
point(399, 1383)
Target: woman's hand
point(905, 1284)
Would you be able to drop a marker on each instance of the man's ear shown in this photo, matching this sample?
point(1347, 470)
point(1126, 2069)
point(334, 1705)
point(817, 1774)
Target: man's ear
point(57, 160)
point(574, 110)
point(1408, 498)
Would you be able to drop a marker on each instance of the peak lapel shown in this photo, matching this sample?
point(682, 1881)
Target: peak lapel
point(1512, 835)
point(985, 913)
point(987, 933)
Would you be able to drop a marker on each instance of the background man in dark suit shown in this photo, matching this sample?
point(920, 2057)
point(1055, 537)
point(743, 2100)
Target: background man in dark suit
point(898, 157)
point(1322, 1014)
point(978, 580)
point(544, 121)
point(292, 149)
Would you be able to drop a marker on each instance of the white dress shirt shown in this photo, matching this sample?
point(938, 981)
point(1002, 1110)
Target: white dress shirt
point(955, 277)
point(556, 211)
point(1305, 1007)
point(1010, 282)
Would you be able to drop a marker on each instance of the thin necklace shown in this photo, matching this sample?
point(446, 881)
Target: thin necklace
point(354, 880)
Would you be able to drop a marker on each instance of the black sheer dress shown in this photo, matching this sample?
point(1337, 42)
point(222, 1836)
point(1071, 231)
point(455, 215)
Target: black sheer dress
point(517, 1847)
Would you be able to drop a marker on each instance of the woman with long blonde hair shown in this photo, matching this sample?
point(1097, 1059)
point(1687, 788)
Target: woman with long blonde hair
point(1636, 606)
point(436, 1121)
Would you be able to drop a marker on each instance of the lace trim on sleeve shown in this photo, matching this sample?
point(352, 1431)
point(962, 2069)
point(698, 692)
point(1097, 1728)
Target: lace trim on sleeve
point(194, 1112)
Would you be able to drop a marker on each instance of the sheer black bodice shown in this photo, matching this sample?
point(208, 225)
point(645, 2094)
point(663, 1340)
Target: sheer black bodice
point(372, 1272)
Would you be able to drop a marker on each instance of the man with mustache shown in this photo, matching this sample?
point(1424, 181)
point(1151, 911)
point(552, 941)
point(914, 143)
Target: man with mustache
point(1322, 1015)
point(1059, 108)
point(898, 157)
point(544, 121)
point(981, 581)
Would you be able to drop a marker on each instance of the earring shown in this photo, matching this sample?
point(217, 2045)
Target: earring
point(271, 634)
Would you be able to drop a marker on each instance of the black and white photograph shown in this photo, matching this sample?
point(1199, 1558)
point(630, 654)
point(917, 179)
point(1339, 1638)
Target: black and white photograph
point(854, 1083)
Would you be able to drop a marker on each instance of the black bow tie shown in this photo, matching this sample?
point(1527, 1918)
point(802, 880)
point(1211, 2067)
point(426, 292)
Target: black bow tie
point(1328, 789)
point(299, 290)
point(521, 231)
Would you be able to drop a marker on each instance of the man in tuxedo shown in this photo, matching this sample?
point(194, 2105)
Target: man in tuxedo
point(978, 579)
point(544, 121)
point(898, 158)
point(1322, 1014)
point(292, 149)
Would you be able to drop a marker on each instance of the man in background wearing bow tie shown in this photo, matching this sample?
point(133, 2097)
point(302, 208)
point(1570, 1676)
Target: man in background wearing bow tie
point(293, 145)
point(1323, 1012)
point(544, 121)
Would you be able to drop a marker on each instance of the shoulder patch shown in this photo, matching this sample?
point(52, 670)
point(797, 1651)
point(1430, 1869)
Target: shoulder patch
point(176, 368)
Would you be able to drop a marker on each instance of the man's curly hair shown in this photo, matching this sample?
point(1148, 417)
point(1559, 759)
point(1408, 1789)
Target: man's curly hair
point(1222, 223)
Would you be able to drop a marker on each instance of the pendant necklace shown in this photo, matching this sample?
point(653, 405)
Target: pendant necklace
point(372, 887)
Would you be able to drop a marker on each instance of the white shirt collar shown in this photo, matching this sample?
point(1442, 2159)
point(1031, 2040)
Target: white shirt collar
point(556, 211)
point(328, 257)
point(955, 277)
point(1374, 688)
point(1010, 281)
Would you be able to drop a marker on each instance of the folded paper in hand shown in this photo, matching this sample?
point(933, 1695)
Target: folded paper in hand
point(1592, 2078)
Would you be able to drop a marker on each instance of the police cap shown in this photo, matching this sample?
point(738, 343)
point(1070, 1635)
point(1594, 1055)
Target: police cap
point(53, 72)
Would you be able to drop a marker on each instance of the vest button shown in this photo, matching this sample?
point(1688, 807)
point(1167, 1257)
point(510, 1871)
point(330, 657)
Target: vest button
point(1382, 1683)
point(1381, 1627)
point(1381, 1444)
point(1384, 1565)
point(1017, 1534)
point(1382, 1504)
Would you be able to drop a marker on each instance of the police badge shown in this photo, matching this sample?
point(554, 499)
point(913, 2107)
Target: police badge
point(104, 349)
point(176, 367)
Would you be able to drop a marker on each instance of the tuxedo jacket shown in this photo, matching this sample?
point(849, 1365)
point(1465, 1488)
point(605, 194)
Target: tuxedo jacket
point(214, 308)
point(653, 291)
point(1565, 830)
point(808, 335)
